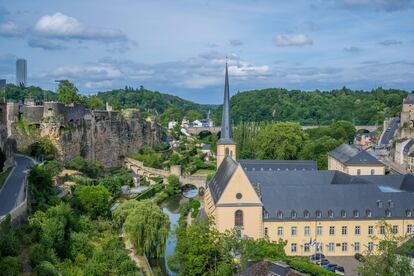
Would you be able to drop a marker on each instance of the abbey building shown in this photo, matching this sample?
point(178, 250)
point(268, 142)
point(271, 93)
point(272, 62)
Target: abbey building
point(327, 211)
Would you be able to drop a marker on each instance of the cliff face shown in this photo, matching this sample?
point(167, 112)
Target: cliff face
point(104, 137)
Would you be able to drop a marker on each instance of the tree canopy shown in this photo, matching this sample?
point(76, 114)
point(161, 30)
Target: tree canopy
point(67, 93)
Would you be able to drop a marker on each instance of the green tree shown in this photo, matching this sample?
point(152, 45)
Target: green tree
point(95, 200)
point(193, 115)
point(173, 186)
point(93, 102)
point(280, 141)
point(318, 150)
point(40, 178)
point(146, 226)
point(10, 266)
point(67, 93)
point(43, 149)
point(384, 260)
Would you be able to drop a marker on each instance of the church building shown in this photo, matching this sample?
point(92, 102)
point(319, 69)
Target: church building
point(327, 211)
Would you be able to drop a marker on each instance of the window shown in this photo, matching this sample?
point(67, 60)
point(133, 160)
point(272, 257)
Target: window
point(279, 214)
point(331, 247)
point(370, 246)
point(266, 232)
point(306, 214)
point(331, 230)
point(357, 230)
point(344, 230)
point(395, 229)
point(280, 231)
point(238, 218)
point(368, 213)
point(409, 228)
point(344, 247)
point(379, 204)
point(307, 231)
point(293, 247)
point(372, 171)
point(356, 214)
point(293, 214)
point(318, 214)
point(319, 230)
point(382, 230)
point(343, 213)
point(356, 247)
point(227, 151)
point(359, 172)
point(390, 203)
point(408, 213)
point(330, 214)
point(387, 213)
point(293, 231)
point(239, 195)
point(307, 247)
point(370, 230)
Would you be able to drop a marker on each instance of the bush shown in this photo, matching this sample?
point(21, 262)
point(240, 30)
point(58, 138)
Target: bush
point(359, 257)
point(308, 268)
point(10, 266)
point(43, 149)
point(47, 269)
point(94, 199)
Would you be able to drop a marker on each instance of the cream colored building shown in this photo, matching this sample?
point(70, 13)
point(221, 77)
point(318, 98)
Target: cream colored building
point(407, 113)
point(354, 161)
point(314, 211)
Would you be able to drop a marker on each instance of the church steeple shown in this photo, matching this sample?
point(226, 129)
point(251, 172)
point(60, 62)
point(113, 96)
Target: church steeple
point(226, 131)
point(225, 145)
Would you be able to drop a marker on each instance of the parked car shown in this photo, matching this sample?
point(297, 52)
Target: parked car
point(316, 257)
point(322, 261)
point(339, 270)
point(330, 266)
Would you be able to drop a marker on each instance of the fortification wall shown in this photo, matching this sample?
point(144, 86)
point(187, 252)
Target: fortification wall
point(33, 113)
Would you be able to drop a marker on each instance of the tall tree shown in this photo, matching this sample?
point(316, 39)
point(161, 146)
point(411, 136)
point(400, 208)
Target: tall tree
point(67, 93)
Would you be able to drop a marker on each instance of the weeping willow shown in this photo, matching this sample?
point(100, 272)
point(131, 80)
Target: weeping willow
point(146, 226)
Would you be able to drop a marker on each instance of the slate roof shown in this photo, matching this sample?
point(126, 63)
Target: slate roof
point(226, 136)
point(408, 146)
point(277, 165)
point(325, 191)
point(219, 182)
point(266, 268)
point(409, 99)
point(350, 155)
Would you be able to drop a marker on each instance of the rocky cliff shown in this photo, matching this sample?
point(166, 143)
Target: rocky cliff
point(97, 136)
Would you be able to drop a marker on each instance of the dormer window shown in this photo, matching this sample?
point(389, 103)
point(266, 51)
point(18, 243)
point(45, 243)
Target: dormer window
point(368, 213)
point(387, 213)
point(390, 203)
point(343, 213)
point(293, 214)
point(279, 214)
point(408, 213)
point(379, 203)
point(318, 214)
point(356, 214)
point(306, 214)
point(330, 214)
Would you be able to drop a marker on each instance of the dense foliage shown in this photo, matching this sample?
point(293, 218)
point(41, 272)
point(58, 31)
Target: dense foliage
point(316, 107)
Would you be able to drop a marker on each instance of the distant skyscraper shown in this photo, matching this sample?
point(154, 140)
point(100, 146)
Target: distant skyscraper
point(21, 72)
point(2, 83)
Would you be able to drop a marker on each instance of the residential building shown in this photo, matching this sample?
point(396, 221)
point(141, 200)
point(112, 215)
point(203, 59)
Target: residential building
point(354, 161)
point(407, 113)
point(293, 201)
point(21, 72)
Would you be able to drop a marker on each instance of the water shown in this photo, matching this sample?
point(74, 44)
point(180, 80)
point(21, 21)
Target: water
point(190, 191)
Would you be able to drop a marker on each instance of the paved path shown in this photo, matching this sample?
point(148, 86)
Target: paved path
point(388, 133)
point(12, 192)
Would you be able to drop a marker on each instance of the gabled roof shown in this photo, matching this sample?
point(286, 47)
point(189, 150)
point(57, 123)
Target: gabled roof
point(277, 165)
point(350, 155)
point(222, 177)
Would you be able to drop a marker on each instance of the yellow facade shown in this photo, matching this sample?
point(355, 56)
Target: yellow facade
point(334, 164)
point(224, 150)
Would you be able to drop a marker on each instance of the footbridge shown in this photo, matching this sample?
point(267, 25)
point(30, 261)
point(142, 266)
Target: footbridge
point(370, 128)
point(148, 172)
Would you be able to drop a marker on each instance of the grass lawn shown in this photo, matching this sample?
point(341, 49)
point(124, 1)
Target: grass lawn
point(203, 172)
point(4, 175)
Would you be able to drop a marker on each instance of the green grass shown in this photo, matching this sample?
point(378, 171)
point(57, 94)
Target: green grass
point(4, 175)
point(203, 172)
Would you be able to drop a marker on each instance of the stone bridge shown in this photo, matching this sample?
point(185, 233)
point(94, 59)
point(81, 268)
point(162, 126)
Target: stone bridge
point(139, 168)
point(367, 127)
point(198, 130)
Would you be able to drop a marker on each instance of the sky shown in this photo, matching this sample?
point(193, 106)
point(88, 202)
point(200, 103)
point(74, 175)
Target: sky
point(180, 46)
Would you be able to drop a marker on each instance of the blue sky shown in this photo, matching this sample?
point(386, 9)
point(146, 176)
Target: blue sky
point(179, 47)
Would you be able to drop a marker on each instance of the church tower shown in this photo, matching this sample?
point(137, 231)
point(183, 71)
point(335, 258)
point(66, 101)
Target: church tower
point(226, 145)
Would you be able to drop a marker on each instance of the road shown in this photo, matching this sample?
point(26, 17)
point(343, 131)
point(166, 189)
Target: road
point(12, 193)
point(389, 132)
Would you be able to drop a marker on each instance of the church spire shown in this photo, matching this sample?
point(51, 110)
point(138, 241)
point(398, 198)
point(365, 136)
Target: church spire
point(226, 136)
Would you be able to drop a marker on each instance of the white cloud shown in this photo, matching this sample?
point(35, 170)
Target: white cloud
point(98, 84)
point(292, 40)
point(88, 71)
point(9, 29)
point(61, 26)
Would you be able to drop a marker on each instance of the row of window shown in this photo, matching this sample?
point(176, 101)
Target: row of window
point(343, 213)
point(343, 230)
point(331, 247)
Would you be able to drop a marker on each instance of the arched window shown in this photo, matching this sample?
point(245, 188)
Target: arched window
point(227, 151)
point(356, 214)
point(368, 213)
point(279, 214)
point(372, 171)
point(293, 214)
point(408, 213)
point(318, 214)
point(343, 213)
point(387, 213)
point(238, 218)
point(359, 172)
point(306, 214)
point(330, 214)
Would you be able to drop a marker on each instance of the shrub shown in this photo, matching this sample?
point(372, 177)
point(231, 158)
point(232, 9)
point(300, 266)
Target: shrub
point(308, 268)
point(10, 266)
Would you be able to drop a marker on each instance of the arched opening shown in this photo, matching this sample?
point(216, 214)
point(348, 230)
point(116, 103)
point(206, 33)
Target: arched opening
point(189, 191)
point(203, 134)
point(238, 218)
point(227, 151)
